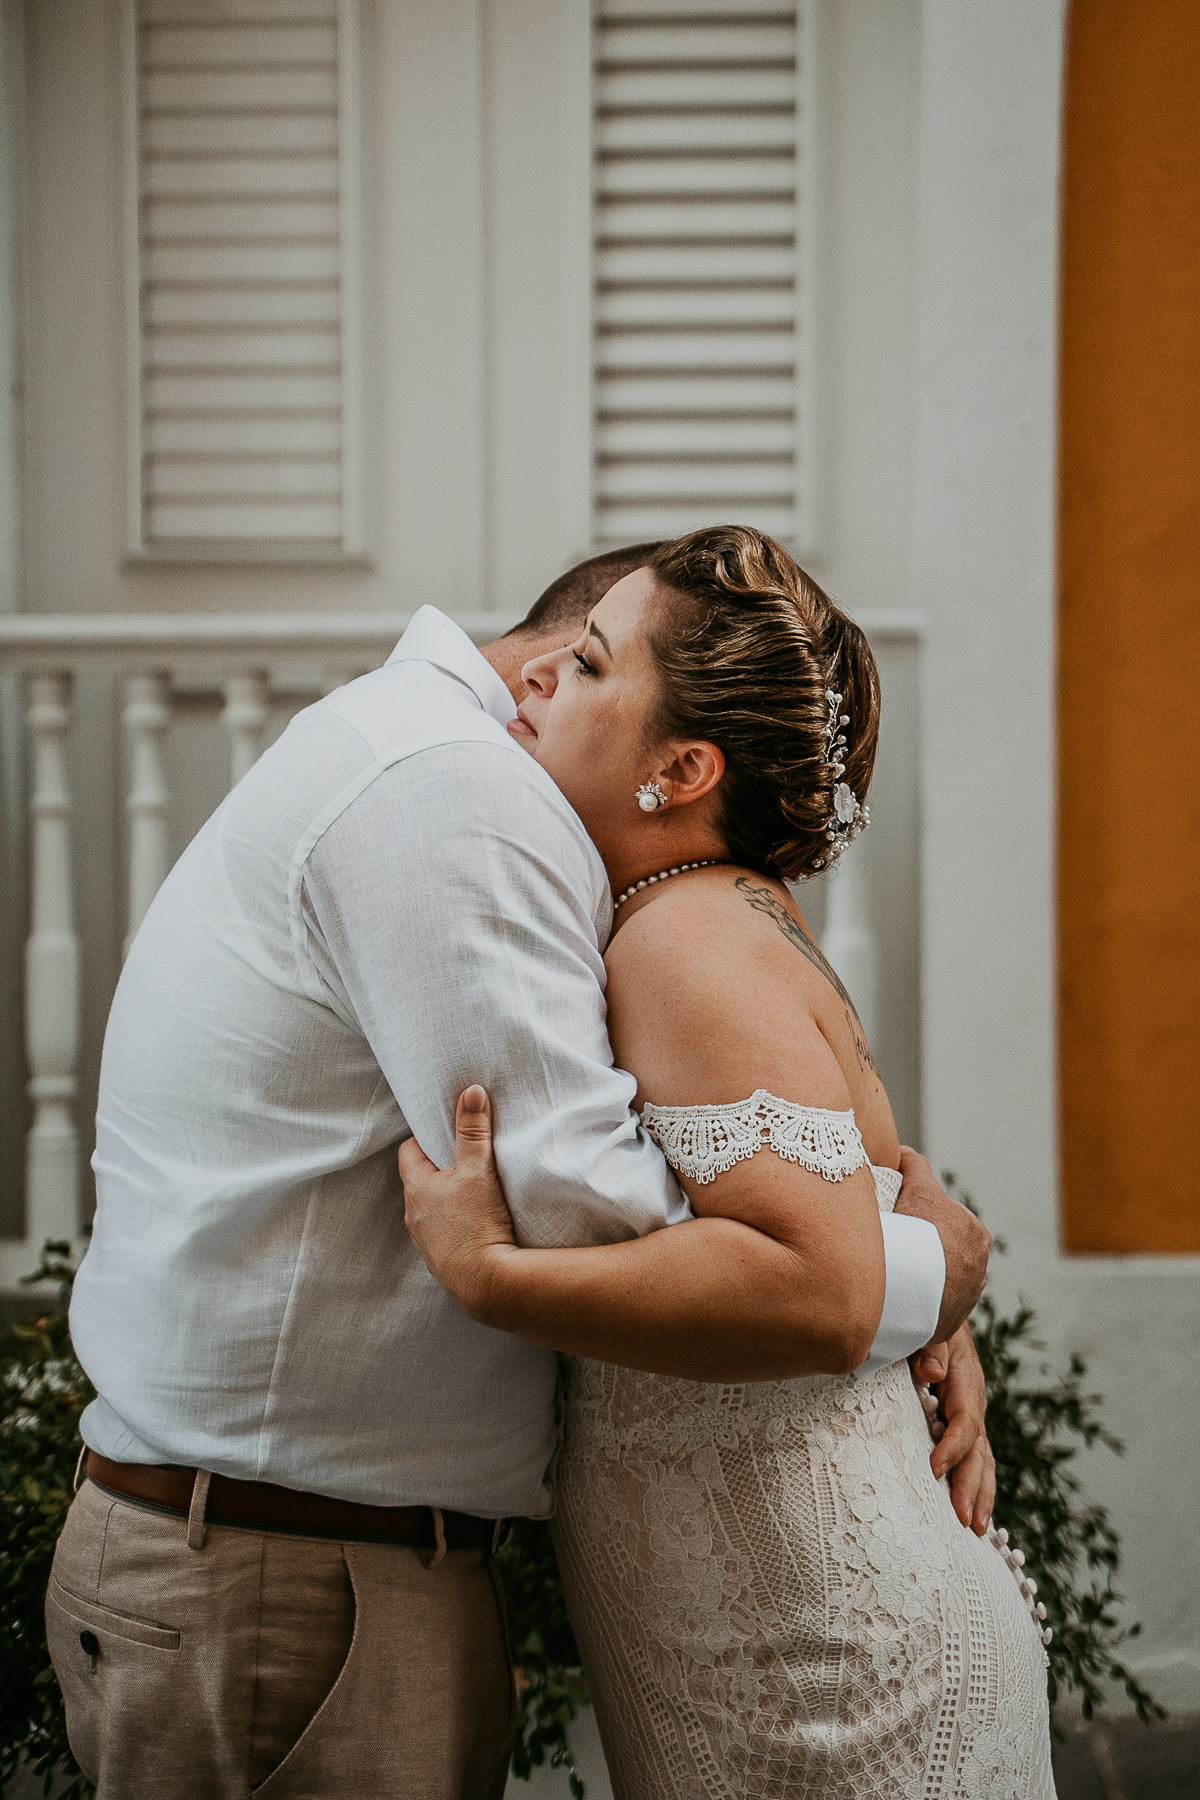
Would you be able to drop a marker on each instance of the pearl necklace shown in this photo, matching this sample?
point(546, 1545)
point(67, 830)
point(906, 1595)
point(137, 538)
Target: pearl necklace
point(663, 875)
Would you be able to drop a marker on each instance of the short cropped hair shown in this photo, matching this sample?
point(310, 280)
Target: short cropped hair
point(567, 602)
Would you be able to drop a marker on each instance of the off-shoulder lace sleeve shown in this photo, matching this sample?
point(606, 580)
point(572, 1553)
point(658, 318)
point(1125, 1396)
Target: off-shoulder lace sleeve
point(704, 1141)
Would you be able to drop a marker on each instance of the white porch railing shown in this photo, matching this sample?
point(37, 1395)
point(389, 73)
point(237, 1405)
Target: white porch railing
point(154, 658)
point(249, 660)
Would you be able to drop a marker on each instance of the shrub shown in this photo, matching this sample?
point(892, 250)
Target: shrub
point(1070, 1545)
point(1037, 1426)
point(550, 1684)
point(1038, 1421)
point(42, 1393)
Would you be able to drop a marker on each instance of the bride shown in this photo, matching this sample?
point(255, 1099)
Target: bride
point(771, 1591)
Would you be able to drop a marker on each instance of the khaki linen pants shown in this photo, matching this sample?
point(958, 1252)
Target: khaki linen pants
point(291, 1668)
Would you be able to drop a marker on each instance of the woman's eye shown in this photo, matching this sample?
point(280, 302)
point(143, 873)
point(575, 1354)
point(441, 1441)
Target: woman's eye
point(584, 666)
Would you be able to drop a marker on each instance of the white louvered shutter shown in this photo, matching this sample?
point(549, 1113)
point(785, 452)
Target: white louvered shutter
point(702, 184)
point(247, 403)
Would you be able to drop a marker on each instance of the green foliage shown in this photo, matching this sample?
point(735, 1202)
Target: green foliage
point(1071, 1546)
point(1038, 1423)
point(42, 1393)
point(550, 1684)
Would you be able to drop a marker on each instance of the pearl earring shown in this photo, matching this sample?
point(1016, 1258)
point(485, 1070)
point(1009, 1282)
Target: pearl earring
point(650, 796)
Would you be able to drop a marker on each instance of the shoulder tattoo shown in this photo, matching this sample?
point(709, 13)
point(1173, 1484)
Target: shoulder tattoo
point(764, 901)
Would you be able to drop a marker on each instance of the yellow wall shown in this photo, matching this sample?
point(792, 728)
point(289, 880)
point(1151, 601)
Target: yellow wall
point(1129, 681)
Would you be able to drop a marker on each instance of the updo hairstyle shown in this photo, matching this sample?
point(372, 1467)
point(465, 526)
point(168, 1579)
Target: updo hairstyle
point(746, 645)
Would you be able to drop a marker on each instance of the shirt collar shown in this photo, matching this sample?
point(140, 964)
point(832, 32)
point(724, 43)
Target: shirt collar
point(433, 638)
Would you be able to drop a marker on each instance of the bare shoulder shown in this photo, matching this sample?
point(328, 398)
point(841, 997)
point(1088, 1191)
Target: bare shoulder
point(717, 987)
point(722, 920)
point(706, 1005)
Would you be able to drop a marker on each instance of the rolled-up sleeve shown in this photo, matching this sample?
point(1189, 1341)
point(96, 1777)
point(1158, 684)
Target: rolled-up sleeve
point(916, 1277)
point(449, 912)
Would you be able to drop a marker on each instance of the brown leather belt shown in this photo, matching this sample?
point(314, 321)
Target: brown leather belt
point(261, 1506)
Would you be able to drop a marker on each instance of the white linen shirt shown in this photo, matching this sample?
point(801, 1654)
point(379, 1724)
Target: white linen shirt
point(395, 902)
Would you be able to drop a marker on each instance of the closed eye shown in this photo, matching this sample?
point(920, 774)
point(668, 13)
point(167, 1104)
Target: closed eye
point(584, 667)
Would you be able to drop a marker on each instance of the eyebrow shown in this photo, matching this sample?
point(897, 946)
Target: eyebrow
point(595, 631)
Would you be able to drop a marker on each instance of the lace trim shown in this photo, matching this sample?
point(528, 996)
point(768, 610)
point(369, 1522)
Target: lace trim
point(705, 1141)
point(888, 1183)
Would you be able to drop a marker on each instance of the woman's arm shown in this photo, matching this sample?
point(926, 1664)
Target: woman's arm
point(728, 1320)
point(782, 1272)
point(715, 1299)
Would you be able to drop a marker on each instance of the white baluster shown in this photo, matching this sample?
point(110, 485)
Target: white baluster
point(147, 715)
point(51, 974)
point(847, 939)
point(333, 679)
point(245, 719)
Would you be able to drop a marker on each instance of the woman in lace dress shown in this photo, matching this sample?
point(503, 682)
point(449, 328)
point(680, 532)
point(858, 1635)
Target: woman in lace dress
point(771, 1591)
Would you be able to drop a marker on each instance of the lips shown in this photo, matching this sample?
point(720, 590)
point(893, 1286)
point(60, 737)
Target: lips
point(521, 729)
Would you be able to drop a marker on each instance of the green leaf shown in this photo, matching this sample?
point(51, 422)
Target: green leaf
point(1038, 1421)
point(42, 1393)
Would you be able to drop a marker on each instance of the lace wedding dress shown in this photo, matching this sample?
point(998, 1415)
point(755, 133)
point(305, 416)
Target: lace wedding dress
point(771, 1592)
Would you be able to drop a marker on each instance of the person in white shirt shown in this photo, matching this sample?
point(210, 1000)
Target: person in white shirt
point(278, 1575)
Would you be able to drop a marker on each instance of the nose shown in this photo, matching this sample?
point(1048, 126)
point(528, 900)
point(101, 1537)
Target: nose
point(541, 674)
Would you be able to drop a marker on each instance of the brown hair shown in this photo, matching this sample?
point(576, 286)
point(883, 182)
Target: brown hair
point(746, 646)
point(568, 601)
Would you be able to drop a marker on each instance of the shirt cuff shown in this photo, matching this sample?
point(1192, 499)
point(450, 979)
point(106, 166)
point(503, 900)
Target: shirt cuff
point(916, 1277)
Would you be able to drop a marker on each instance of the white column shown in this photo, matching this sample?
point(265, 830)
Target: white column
point(245, 719)
point(147, 715)
point(333, 679)
point(847, 939)
point(983, 570)
point(51, 974)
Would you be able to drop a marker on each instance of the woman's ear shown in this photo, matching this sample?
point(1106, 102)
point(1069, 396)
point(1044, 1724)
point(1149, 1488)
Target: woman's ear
point(694, 770)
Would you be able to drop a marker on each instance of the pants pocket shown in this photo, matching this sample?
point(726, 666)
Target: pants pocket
point(99, 1657)
point(89, 1620)
point(305, 1630)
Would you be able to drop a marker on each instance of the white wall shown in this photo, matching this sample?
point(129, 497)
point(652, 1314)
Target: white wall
point(867, 100)
point(477, 180)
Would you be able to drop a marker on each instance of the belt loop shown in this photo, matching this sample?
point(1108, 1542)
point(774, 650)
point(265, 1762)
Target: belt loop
point(197, 1528)
point(439, 1538)
point(80, 1470)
